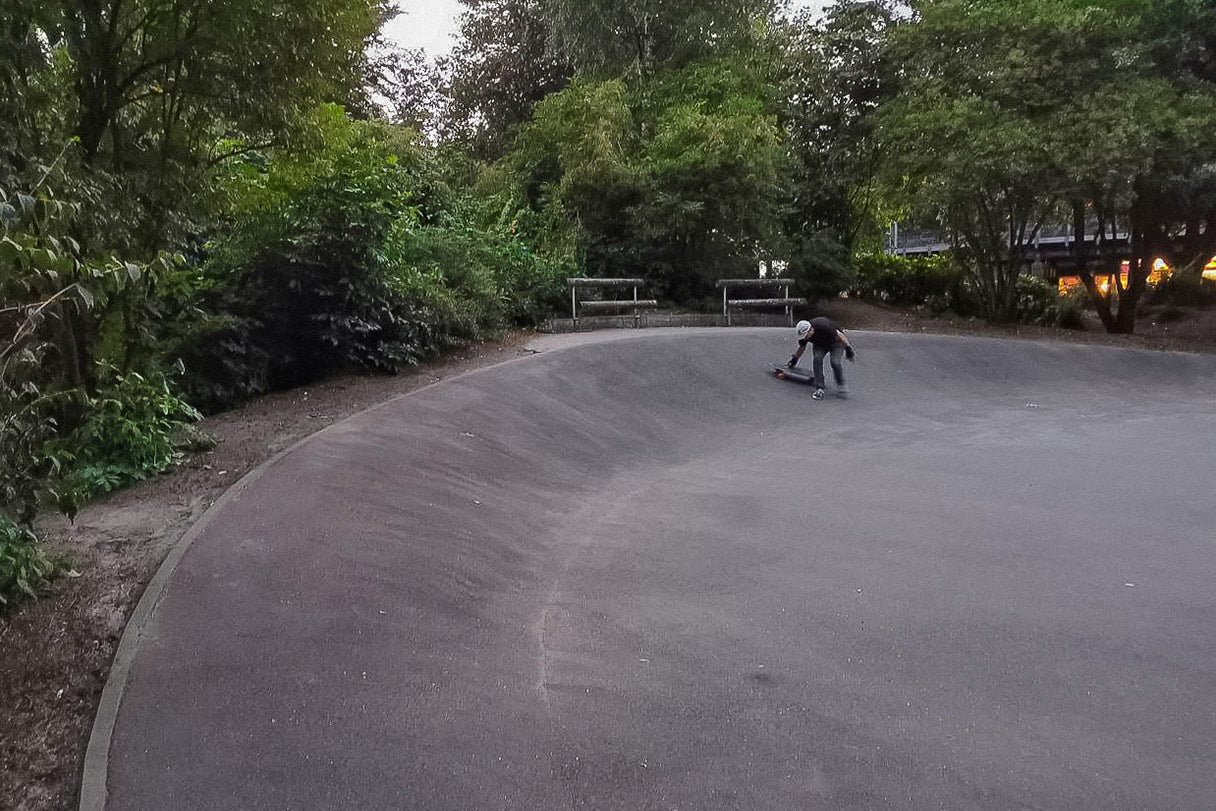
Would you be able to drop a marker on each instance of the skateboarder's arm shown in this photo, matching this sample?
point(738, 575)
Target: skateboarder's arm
point(848, 347)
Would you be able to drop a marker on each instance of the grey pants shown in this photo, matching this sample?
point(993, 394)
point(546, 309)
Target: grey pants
point(837, 368)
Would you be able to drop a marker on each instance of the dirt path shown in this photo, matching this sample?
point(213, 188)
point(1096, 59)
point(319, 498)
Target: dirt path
point(55, 654)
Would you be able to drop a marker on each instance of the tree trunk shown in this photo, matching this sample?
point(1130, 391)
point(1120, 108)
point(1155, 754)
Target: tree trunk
point(1140, 263)
point(92, 42)
point(1101, 301)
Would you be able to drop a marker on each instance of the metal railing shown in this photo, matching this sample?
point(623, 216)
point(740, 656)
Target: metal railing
point(593, 305)
point(786, 301)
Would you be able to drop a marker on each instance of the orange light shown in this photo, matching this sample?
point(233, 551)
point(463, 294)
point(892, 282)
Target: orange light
point(1067, 284)
point(1209, 270)
point(1160, 272)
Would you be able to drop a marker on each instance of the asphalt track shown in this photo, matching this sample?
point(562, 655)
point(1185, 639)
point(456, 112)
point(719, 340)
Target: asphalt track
point(633, 571)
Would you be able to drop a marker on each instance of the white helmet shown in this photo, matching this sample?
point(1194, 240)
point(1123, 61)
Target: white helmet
point(803, 328)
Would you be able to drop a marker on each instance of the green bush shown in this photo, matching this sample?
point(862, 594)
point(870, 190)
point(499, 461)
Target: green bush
point(907, 281)
point(1183, 290)
point(54, 301)
point(473, 280)
point(130, 433)
point(303, 289)
point(1070, 310)
point(1035, 300)
point(25, 567)
point(361, 257)
point(1039, 302)
point(819, 266)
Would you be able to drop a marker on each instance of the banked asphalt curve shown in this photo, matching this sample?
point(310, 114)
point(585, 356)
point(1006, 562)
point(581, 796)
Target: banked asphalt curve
point(634, 571)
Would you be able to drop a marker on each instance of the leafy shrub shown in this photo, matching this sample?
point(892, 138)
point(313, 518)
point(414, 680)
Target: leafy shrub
point(303, 289)
point(25, 568)
point(130, 432)
point(1039, 302)
point(819, 266)
point(27, 423)
point(907, 280)
point(52, 297)
point(1183, 290)
point(472, 280)
point(1035, 300)
point(358, 257)
point(1070, 310)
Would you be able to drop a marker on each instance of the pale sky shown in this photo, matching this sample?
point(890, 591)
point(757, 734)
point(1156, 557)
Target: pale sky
point(426, 24)
point(431, 24)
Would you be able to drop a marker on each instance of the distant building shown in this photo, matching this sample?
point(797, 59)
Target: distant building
point(1051, 255)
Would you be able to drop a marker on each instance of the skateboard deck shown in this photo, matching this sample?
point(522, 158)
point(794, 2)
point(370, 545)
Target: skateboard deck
point(795, 375)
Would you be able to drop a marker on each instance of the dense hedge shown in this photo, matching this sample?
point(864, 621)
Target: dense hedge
point(935, 281)
point(352, 265)
point(353, 247)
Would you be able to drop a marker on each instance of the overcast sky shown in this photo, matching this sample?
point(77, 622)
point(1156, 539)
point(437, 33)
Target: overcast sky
point(431, 24)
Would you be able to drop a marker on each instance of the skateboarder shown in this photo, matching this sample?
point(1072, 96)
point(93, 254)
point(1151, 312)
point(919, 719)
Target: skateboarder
point(826, 338)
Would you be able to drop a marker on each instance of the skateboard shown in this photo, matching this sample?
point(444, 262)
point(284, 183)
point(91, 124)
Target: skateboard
point(795, 375)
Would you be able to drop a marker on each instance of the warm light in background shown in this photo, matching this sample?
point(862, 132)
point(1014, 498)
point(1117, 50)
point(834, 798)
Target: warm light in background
point(1160, 272)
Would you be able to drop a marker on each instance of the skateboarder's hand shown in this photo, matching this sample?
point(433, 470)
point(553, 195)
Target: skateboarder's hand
point(849, 353)
point(793, 362)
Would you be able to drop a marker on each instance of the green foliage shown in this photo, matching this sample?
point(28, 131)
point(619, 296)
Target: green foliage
point(25, 568)
point(128, 434)
point(150, 90)
point(1184, 290)
point(1036, 300)
point(303, 284)
point(472, 281)
point(834, 73)
point(28, 420)
point(579, 150)
point(51, 292)
point(1014, 115)
point(355, 250)
point(907, 281)
point(611, 38)
point(676, 180)
point(1070, 310)
point(501, 66)
point(1040, 302)
point(819, 263)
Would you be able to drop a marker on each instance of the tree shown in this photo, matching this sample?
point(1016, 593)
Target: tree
point(1016, 113)
point(156, 65)
point(833, 76)
point(502, 65)
point(716, 159)
point(149, 88)
point(635, 37)
point(677, 181)
point(413, 86)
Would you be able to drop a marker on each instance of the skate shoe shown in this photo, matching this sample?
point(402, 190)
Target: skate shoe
point(817, 394)
point(842, 392)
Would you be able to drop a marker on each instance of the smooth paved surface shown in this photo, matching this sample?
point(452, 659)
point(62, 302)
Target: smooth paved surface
point(634, 571)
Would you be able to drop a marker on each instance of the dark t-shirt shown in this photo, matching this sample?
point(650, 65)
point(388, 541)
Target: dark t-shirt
point(824, 335)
